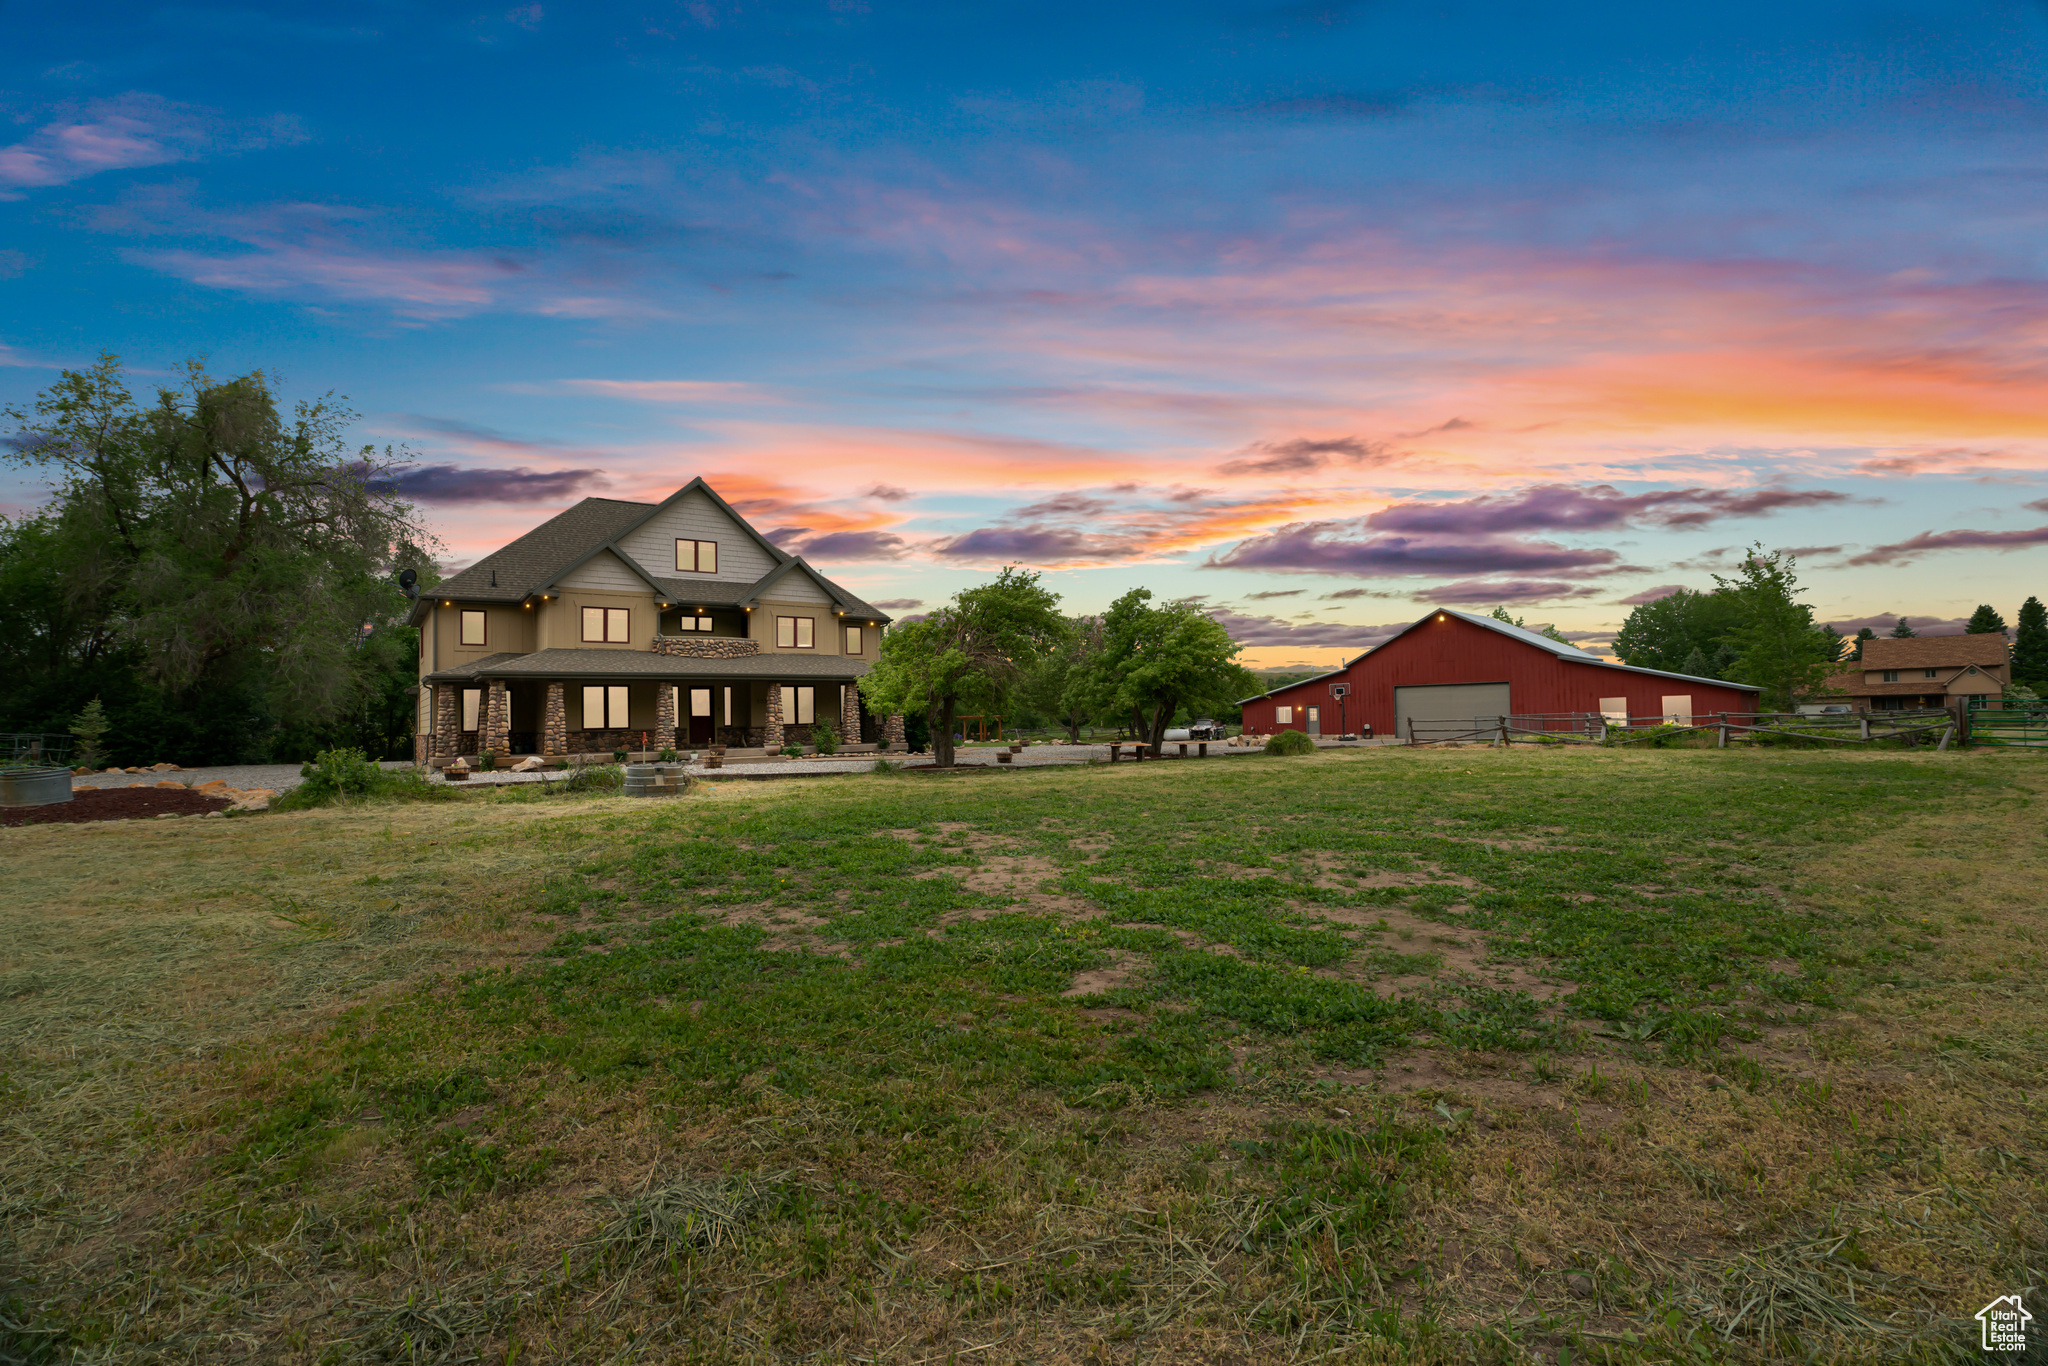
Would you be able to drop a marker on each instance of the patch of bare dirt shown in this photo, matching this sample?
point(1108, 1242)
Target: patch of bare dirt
point(1118, 972)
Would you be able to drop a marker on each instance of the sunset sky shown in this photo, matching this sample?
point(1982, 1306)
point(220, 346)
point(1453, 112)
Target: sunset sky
point(1324, 312)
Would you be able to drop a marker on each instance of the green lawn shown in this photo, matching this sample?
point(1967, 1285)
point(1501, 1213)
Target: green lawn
point(1386, 1055)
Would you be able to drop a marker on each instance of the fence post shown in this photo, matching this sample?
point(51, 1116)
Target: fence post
point(1411, 730)
point(1504, 741)
point(1864, 726)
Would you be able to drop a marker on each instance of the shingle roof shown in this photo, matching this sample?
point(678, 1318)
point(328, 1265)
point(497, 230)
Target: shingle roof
point(570, 665)
point(1931, 652)
point(516, 571)
point(530, 563)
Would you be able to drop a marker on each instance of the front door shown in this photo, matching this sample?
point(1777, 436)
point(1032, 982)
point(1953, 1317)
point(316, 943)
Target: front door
point(1315, 719)
point(700, 715)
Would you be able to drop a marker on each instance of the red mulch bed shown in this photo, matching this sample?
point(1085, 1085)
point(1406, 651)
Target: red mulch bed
point(116, 804)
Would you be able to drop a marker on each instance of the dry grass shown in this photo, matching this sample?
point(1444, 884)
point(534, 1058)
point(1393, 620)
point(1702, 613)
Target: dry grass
point(1862, 1178)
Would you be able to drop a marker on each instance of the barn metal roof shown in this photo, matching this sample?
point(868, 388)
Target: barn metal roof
point(1558, 648)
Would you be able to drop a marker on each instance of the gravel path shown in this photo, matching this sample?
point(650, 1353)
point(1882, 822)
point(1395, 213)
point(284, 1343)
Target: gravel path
point(276, 777)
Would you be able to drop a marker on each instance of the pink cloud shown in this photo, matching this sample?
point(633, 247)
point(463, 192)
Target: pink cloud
point(124, 133)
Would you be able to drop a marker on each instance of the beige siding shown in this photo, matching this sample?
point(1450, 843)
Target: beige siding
point(826, 631)
point(506, 629)
point(695, 517)
point(562, 620)
point(606, 571)
point(797, 586)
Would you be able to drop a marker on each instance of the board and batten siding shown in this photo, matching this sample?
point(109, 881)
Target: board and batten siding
point(694, 517)
point(607, 572)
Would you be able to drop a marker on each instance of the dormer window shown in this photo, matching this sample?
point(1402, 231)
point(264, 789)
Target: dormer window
point(696, 557)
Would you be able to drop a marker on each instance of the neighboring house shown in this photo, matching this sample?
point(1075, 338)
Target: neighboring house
point(1924, 671)
point(1452, 667)
point(613, 621)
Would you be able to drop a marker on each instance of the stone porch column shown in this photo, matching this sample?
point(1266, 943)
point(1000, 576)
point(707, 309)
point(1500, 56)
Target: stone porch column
point(497, 736)
point(849, 714)
point(772, 737)
point(447, 719)
point(892, 730)
point(664, 717)
point(554, 726)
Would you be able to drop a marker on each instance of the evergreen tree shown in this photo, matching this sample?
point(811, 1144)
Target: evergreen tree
point(1698, 665)
point(2030, 646)
point(1856, 646)
point(1902, 631)
point(1985, 621)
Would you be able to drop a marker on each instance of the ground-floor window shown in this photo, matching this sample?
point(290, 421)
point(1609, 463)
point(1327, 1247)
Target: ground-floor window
point(1283, 715)
point(604, 708)
point(799, 706)
point(472, 707)
point(700, 702)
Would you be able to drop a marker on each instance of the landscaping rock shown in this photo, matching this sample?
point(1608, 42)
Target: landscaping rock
point(170, 782)
point(530, 764)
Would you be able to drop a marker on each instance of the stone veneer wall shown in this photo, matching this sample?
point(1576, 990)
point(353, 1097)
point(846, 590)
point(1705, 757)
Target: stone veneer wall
point(849, 714)
point(892, 730)
point(665, 716)
point(772, 737)
point(705, 647)
point(497, 736)
point(554, 727)
point(447, 719)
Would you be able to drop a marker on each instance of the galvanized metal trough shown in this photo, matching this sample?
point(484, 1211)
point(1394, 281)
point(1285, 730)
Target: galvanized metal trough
point(656, 780)
point(40, 786)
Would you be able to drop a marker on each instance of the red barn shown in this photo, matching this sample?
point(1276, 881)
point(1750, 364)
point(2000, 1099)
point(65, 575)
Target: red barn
point(1451, 667)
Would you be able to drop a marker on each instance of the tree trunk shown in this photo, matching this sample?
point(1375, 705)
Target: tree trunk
point(942, 733)
point(1073, 729)
point(1160, 716)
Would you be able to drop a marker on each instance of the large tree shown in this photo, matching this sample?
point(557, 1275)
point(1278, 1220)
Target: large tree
point(1985, 621)
point(1054, 685)
point(2030, 646)
point(1778, 647)
point(972, 651)
point(1901, 631)
point(1157, 660)
point(223, 549)
point(1663, 634)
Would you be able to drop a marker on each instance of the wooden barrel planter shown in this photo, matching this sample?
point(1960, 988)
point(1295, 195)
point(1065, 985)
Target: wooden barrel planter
point(43, 786)
point(655, 780)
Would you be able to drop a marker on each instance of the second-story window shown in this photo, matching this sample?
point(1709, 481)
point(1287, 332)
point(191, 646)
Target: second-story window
point(796, 633)
point(853, 640)
point(611, 625)
point(1930, 673)
point(696, 557)
point(1891, 675)
point(473, 627)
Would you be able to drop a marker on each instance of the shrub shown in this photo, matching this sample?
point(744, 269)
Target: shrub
point(667, 756)
point(824, 738)
point(618, 756)
point(595, 778)
point(1290, 742)
point(348, 774)
point(487, 761)
point(885, 766)
point(793, 751)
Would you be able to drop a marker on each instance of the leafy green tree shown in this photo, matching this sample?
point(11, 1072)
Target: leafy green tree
point(1663, 634)
point(1985, 621)
point(973, 650)
point(1054, 684)
point(1781, 651)
point(1901, 631)
point(2030, 646)
point(229, 548)
point(1157, 660)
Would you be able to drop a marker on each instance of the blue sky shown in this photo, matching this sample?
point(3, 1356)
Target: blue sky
point(1326, 312)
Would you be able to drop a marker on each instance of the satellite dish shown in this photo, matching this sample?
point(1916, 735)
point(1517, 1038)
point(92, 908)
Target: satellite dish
point(408, 579)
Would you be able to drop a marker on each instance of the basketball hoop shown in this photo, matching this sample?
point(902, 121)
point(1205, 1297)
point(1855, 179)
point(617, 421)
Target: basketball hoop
point(1340, 690)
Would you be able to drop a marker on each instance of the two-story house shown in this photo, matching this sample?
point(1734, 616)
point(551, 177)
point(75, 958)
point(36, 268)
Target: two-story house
point(633, 626)
point(1924, 671)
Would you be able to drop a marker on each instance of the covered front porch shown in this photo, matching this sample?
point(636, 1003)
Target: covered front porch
point(506, 706)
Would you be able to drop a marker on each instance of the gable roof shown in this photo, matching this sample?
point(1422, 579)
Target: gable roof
point(1932, 652)
point(1523, 635)
point(537, 560)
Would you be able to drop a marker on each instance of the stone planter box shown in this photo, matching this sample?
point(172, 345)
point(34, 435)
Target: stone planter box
point(44, 786)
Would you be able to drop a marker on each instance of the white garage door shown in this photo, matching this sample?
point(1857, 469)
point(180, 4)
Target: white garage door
point(1447, 707)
